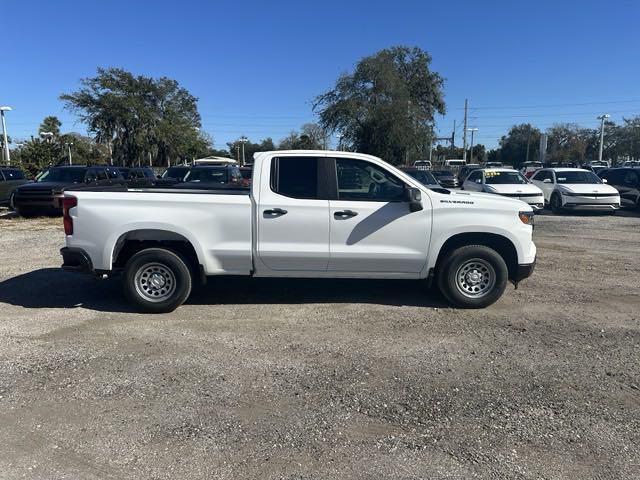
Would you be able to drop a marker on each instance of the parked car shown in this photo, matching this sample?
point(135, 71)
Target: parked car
point(424, 164)
point(172, 175)
point(594, 168)
point(528, 168)
point(506, 182)
point(575, 189)
point(631, 163)
point(314, 214)
point(445, 178)
point(627, 181)
point(44, 196)
point(227, 176)
point(10, 179)
point(247, 175)
point(465, 170)
point(138, 176)
point(425, 177)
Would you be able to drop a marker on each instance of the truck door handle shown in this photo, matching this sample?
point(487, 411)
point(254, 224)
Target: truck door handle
point(275, 211)
point(345, 214)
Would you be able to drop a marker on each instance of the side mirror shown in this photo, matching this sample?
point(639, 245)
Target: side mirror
point(604, 180)
point(414, 197)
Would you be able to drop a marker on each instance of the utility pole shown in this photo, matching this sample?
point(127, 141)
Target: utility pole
point(528, 140)
point(464, 134)
point(472, 130)
point(7, 155)
point(602, 119)
point(453, 136)
point(243, 140)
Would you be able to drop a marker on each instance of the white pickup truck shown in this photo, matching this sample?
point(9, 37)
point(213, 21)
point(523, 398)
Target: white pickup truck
point(318, 214)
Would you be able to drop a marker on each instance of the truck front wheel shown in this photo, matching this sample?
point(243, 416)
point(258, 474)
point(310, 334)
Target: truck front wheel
point(473, 276)
point(156, 280)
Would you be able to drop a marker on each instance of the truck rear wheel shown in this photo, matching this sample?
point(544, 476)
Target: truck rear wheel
point(156, 280)
point(473, 276)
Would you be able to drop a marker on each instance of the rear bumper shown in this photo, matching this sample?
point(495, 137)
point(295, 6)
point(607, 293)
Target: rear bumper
point(76, 260)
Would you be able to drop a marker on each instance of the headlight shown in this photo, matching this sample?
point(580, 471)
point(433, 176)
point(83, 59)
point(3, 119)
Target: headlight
point(526, 217)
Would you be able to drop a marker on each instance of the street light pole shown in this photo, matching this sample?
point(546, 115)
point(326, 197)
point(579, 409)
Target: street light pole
point(69, 147)
point(243, 140)
point(472, 130)
point(7, 155)
point(602, 119)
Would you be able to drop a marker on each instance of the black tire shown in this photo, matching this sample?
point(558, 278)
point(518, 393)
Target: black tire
point(556, 203)
point(170, 273)
point(454, 266)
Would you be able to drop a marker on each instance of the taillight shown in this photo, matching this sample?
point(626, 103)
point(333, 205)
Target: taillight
point(67, 204)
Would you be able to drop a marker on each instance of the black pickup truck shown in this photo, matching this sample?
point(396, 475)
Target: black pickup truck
point(44, 196)
point(10, 179)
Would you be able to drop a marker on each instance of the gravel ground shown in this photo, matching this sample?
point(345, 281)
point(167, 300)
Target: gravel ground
point(325, 379)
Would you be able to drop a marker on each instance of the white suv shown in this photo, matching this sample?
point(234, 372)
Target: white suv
point(575, 189)
point(506, 182)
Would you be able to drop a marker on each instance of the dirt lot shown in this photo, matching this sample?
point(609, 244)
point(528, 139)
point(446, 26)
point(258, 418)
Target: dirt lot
point(325, 379)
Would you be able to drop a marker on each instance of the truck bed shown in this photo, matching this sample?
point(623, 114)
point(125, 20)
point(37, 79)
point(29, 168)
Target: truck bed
point(218, 223)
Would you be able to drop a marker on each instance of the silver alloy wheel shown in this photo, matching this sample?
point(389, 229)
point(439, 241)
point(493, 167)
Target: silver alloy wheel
point(475, 278)
point(155, 282)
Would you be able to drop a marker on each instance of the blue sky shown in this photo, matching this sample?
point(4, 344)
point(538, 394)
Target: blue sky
point(256, 66)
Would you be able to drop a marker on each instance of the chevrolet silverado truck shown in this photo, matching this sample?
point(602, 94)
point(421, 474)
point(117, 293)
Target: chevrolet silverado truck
point(313, 214)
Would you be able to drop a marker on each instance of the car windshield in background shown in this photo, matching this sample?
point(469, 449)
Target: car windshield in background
point(577, 177)
point(504, 178)
point(63, 175)
point(175, 172)
point(212, 175)
point(423, 176)
point(442, 173)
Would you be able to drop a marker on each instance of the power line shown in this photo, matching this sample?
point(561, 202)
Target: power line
point(549, 105)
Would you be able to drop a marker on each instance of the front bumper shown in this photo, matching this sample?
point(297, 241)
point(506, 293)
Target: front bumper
point(605, 203)
point(29, 201)
point(524, 271)
point(604, 207)
point(76, 260)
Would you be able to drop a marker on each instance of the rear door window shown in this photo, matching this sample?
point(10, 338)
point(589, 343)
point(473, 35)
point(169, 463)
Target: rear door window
point(295, 177)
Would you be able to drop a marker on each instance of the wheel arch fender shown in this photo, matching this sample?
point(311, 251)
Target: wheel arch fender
point(502, 241)
point(149, 232)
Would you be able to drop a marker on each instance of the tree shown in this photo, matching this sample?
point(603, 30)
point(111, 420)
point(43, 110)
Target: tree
point(514, 145)
point(235, 148)
point(386, 107)
point(138, 116)
point(311, 137)
point(568, 142)
point(50, 124)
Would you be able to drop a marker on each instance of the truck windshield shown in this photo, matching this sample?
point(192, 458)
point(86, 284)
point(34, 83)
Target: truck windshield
point(64, 175)
point(577, 177)
point(208, 174)
point(503, 178)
